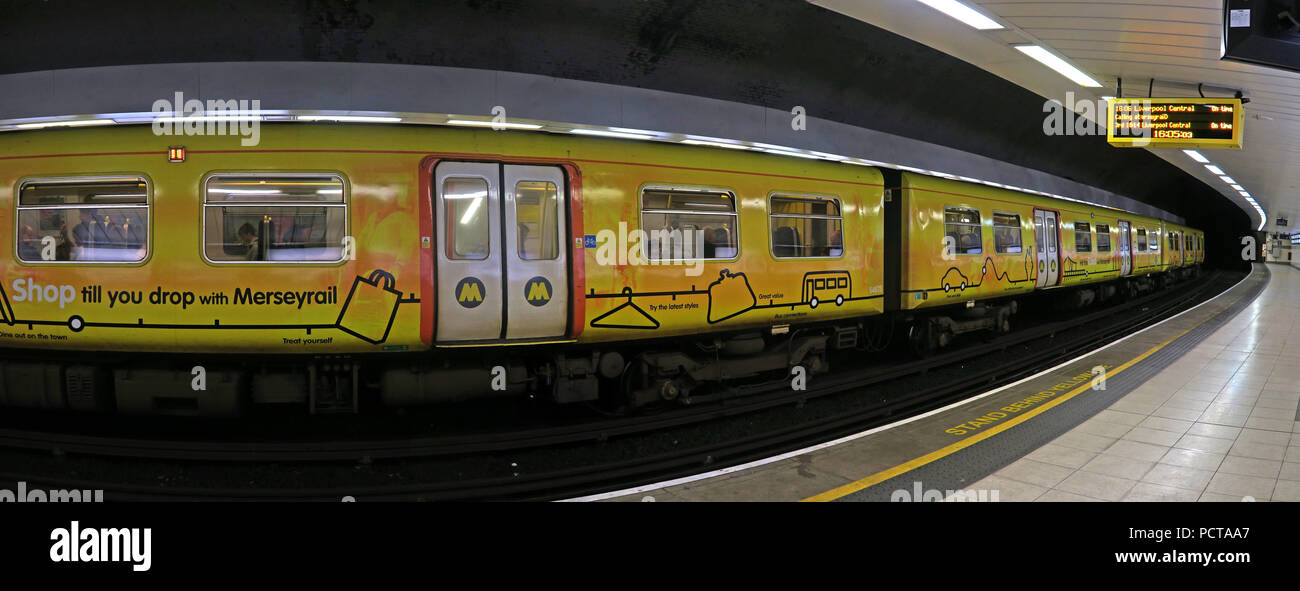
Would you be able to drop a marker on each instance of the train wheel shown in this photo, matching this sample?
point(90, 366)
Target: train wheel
point(922, 340)
point(812, 303)
point(839, 300)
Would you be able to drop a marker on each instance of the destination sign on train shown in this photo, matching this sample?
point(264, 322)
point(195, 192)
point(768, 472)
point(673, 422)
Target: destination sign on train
point(1175, 123)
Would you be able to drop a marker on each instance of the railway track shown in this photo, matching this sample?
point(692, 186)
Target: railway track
point(580, 458)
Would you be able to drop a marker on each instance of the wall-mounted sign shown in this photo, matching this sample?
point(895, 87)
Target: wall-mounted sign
point(1174, 123)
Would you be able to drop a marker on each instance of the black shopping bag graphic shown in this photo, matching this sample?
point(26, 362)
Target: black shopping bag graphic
point(6, 312)
point(729, 296)
point(371, 307)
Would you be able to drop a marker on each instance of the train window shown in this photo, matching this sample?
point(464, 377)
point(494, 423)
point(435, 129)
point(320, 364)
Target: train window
point(279, 218)
point(1154, 243)
point(1006, 232)
point(963, 226)
point(1141, 240)
point(83, 220)
point(537, 215)
point(806, 227)
point(467, 219)
point(1082, 237)
point(689, 224)
point(1103, 238)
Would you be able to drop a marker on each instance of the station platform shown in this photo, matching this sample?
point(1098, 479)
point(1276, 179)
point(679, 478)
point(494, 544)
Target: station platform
point(1200, 407)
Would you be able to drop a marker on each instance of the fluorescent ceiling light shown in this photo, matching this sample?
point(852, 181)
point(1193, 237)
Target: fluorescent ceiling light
point(1228, 179)
point(634, 131)
point(478, 123)
point(350, 118)
point(787, 153)
point(1214, 169)
point(469, 213)
point(714, 144)
point(963, 13)
point(78, 123)
point(1194, 155)
point(615, 134)
point(1062, 67)
point(835, 157)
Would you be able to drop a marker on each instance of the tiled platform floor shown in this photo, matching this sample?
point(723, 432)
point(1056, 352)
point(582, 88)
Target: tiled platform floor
point(1220, 424)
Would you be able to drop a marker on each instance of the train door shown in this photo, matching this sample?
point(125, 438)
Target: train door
point(502, 269)
point(1047, 238)
point(1125, 249)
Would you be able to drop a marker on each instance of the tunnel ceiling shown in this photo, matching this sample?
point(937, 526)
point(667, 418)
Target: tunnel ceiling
point(772, 53)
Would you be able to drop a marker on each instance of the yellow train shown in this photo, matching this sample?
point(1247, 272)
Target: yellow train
point(333, 263)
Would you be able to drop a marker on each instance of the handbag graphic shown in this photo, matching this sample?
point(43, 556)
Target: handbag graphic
point(6, 312)
point(729, 296)
point(371, 307)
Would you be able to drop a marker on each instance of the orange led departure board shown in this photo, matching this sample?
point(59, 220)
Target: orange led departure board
point(1174, 123)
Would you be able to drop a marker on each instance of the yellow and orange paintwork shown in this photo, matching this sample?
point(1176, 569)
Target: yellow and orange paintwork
point(386, 169)
point(989, 274)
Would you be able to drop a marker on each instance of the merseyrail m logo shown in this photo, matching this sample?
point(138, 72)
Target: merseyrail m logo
point(470, 292)
point(538, 292)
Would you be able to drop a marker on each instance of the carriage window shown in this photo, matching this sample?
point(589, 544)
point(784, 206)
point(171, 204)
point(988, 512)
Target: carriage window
point(537, 214)
point(83, 220)
point(806, 227)
point(1006, 232)
point(688, 224)
point(1103, 238)
point(1141, 240)
point(466, 219)
point(285, 218)
point(963, 226)
point(1083, 237)
point(1154, 242)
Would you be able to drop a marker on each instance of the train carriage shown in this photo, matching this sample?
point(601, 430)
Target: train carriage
point(414, 262)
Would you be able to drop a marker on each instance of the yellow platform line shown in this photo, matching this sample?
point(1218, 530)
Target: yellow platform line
point(908, 466)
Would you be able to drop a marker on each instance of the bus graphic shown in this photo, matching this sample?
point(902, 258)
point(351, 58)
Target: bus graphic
point(822, 286)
